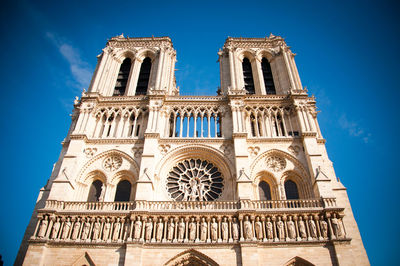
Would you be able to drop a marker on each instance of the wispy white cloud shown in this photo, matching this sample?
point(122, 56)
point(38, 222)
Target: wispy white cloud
point(80, 70)
point(354, 129)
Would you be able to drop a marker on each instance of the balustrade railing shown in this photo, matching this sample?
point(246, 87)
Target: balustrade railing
point(191, 205)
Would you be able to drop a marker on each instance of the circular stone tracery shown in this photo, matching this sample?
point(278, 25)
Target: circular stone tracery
point(112, 163)
point(195, 180)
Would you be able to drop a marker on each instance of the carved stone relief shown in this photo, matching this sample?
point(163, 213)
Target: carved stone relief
point(275, 163)
point(112, 163)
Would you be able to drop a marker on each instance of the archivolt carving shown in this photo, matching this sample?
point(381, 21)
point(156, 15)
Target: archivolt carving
point(191, 257)
point(95, 163)
point(292, 163)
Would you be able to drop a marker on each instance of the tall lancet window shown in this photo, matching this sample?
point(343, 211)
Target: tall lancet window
point(267, 73)
point(123, 192)
point(264, 191)
point(291, 190)
point(144, 76)
point(248, 76)
point(95, 191)
point(123, 76)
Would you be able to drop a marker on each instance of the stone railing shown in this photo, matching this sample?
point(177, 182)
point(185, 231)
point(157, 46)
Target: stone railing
point(225, 206)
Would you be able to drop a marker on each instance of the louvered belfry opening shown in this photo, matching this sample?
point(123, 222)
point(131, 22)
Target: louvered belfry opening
point(248, 76)
point(123, 76)
point(144, 76)
point(267, 74)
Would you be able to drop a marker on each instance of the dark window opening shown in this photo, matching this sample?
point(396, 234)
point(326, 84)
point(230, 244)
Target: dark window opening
point(264, 191)
point(248, 76)
point(95, 191)
point(291, 190)
point(122, 78)
point(123, 192)
point(294, 133)
point(267, 74)
point(144, 77)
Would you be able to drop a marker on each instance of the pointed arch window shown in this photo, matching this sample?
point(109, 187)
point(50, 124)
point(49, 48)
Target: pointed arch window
point(291, 190)
point(267, 74)
point(123, 192)
point(144, 77)
point(123, 76)
point(95, 191)
point(264, 191)
point(248, 76)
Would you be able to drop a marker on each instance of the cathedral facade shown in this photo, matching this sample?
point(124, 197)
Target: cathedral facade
point(149, 177)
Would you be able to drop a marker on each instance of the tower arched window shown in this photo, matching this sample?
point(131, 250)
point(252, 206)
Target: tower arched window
point(248, 76)
point(267, 74)
point(291, 190)
point(264, 191)
point(144, 77)
point(95, 191)
point(123, 192)
point(123, 76)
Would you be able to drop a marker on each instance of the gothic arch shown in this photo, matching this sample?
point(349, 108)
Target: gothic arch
point(146, 52)
point(291, 164)
point(191, 257)
point(198, 151)
point(268, 177)
point(303, 185)
point(95, 163)
point(297, 261)
point(125, 53)
point(250, 54)
point(264, 53)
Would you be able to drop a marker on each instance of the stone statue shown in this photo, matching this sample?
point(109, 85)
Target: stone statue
point(258, 228)
point(203, 229)
point(214, 230)
point(96, 230)
point(235, 229)
point(192, 229)
point(270, 229)
point(106, 230)
point(56, 228)
point(67, 227)
point(291, 228)
point(248, 231)
point(138, 228)
point(149, 229)
point(337, 226)
point(171, 229)
point(302, 228)
point(194, 189)
point(224, 229)
point(117, 227)
point(313, 228)
point(75, 233)
point(324, 229)
point(181, 230)
point(102, 193)
point(86, 229)
point(160, 228)
point(127, 230)
point(281, 229)
point(43, 228)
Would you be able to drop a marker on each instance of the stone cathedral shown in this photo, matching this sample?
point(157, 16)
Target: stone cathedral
point(149, 177)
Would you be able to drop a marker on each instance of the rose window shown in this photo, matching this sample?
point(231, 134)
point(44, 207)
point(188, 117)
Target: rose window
point(195, 180)
point(112, 163)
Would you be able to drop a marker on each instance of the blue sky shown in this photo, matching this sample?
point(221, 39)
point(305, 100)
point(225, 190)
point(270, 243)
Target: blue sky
point(347, 57)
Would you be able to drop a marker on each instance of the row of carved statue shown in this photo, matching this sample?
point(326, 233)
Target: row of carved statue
point(178, 229)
